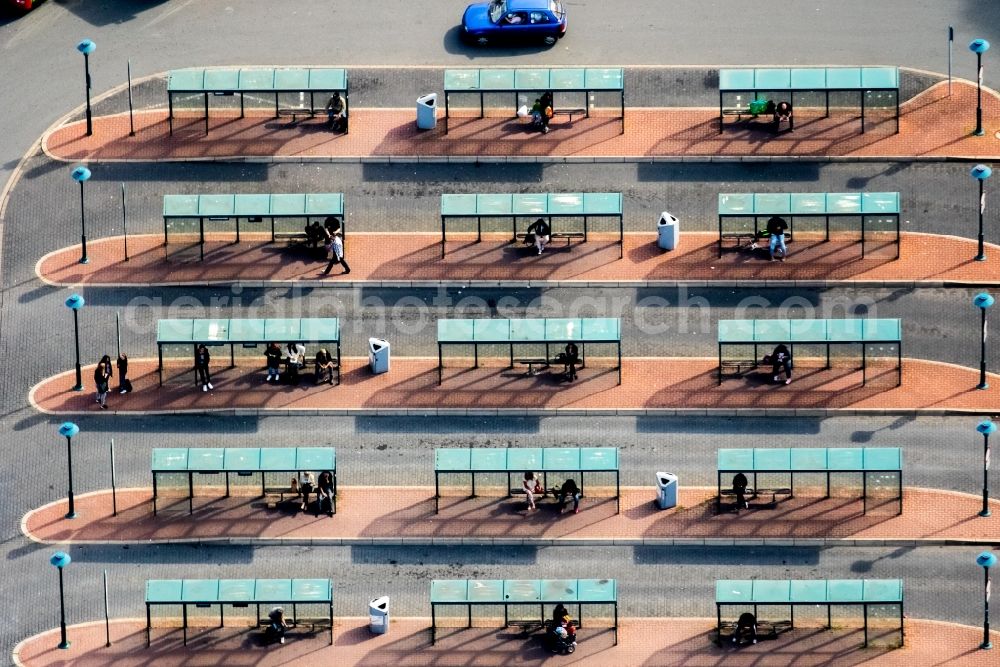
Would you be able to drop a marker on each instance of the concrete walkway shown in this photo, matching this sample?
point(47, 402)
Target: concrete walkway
point(653, 642)
point(931, 125)
point(649, 386)
point(405, 259)
point(389, 516)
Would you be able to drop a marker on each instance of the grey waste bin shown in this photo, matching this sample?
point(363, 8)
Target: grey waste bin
point(378, 615)
point(668, 232)
point(666, 490)
point(378, 355)
point(427, 111)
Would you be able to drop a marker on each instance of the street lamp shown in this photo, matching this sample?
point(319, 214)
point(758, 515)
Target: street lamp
point(986, 560)
point(986, 427)
point(81, 175)
point(979, 47)
point(68, 430)
point(981, 172)
point(86, 47)
point(75, 302)
point(61, 560)
point(982, 301)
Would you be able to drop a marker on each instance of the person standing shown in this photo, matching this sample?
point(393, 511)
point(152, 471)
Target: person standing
point(102, 376)
point(124, 384)
point(337, 254)
point(273, 356)
point(776, 227)
point(201, 360)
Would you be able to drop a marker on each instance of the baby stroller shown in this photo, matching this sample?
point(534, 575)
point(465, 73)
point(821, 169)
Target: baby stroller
point(560, 640)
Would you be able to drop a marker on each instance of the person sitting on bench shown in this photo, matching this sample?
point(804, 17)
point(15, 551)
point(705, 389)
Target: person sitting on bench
point(295, 361)
point(539, 233)
point(276, 627)
point(781, 360)
point(324, 493)
point(324, 367)
point(745, 626)
point(336, 119)
point(568, 490)
point(782, 112)
point(532, 487)
point(740, 484)
point(776, 227)
point(569, 359)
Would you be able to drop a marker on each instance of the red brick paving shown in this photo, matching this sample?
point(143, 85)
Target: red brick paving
point(417, 257)
point(409, 512)
point(931, 124)
point(655, 642)
point(646, 383)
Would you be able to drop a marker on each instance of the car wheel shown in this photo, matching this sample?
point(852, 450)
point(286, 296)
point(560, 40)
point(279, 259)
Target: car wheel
point(550, 40)
point(482, 40)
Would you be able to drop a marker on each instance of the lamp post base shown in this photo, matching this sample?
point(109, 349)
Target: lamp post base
point(985, 513)
point(978, 133)
point(983, 385)
point(66, 645)
point(986, 646)
point(70, 515)
point(980, 258)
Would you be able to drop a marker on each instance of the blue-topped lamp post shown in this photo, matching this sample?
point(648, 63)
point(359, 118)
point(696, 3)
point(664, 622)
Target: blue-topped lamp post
point(986, 427)
point(61, 560)
point(982, 301)
point(68, 430)
point(86, 47)
point(979, 47)
point(81, 175)
point(75, 302)
point(981, 172)
point(986, 560)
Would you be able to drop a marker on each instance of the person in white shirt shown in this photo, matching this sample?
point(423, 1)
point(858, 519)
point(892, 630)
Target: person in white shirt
point(337, 254)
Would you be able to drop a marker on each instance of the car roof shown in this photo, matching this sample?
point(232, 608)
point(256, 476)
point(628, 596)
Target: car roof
point(526, 5)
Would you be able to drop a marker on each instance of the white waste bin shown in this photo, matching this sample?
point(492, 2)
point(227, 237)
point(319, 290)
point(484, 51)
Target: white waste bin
point(668, 232)
point(427, 111)
point(378, 615)
point(378, 355)
point(666, 490)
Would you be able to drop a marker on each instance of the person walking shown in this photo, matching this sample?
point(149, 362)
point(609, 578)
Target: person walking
point(102, 376)
point(201, 360)
point(124, 384)
point(337, 254)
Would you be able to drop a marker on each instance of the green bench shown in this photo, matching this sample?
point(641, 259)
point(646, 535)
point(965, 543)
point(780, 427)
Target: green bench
point(248, 333)
point(808, 79)
point(239, 593)
point(470, 593)
point(870, 207)
point(863, 332)
point(538, 331)
point(584, 205)
point(250, 208)
point(226, 82)
point(243, 462)
point(753, 593)
point(503, 80)
point(510, 461)
point(804, 460)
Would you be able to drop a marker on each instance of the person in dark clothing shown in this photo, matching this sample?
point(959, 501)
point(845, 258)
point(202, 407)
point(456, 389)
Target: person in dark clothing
point(569, 359)
point(102, 375)
point(337, 254)
point(781, 360)
point(740, 484)
point(324, 367)
point(542, 234)
point(336, 116)
point(568, 490)
point(124, 386)
point(324, 492)
point(276, 625)
point(746, 625)
point(559, 612)
point(332, 225)
point(782, 112)
point(201, 360)
point(776, 227)
point(272, 356)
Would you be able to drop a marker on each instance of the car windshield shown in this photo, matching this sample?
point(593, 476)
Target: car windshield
point(497, 9)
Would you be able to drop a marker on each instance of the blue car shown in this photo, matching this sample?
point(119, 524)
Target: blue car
point(509, 20)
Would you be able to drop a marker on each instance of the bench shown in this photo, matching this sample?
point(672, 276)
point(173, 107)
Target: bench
point(765, 629)
point(295, 112)
point(737, 367)
point(756, 495)
point(520, 236)
point(579, 111)
point(531, 363)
